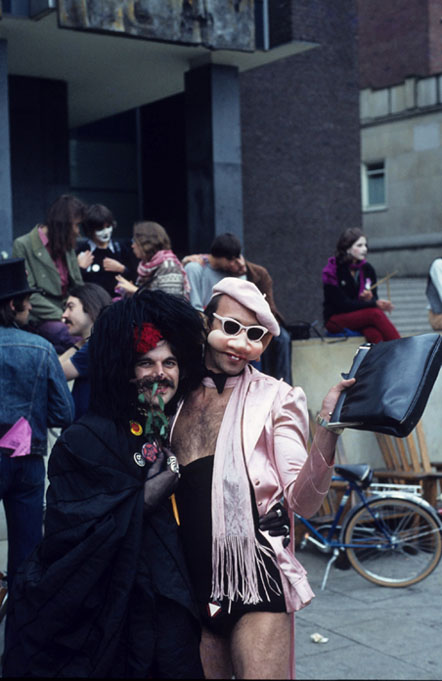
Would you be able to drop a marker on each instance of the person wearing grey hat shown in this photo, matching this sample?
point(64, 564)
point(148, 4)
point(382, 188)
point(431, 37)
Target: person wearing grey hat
point(241, 442)
point(35, 396)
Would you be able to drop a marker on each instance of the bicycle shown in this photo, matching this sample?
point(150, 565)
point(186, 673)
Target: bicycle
point(392, 538)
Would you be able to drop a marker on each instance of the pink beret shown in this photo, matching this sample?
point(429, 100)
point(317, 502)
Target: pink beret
point(249, 295)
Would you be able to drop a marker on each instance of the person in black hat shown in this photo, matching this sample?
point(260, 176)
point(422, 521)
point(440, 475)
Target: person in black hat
point(35, 396)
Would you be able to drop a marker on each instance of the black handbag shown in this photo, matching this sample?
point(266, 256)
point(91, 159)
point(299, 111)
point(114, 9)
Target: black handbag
point(394, 380)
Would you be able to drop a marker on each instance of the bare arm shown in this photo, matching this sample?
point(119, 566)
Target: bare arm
point(125, 285)
point(69, 370)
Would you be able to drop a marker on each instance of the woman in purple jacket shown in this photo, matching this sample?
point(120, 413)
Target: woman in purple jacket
point(350, 301)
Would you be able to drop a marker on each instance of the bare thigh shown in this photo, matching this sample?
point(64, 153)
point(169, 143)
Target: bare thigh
point(259, 648)
point(215, 656)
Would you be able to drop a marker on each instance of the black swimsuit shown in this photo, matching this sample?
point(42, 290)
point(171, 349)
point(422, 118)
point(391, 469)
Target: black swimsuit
point(194, 506)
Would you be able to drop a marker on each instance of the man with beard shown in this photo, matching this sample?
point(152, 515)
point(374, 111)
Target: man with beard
point(106, 593)
point(241, 441)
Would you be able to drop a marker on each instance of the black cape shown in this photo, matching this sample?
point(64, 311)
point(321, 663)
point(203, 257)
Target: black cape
point(106, 593)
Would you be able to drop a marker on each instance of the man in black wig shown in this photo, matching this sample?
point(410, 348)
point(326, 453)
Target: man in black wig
point(106, 593)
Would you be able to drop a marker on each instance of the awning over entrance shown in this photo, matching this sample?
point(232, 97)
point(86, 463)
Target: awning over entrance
point(108, 73)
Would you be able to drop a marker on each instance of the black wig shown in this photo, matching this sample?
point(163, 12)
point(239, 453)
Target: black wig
point(112, 354)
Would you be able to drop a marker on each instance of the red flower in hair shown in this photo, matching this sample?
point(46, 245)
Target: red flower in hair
point(148, 339)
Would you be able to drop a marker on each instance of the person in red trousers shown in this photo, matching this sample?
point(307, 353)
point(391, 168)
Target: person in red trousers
point(350, 301)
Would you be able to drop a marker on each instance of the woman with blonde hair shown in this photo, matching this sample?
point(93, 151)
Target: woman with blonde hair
point(159, 267)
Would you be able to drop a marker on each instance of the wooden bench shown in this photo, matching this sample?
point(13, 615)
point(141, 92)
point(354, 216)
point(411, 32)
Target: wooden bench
point(407, 462)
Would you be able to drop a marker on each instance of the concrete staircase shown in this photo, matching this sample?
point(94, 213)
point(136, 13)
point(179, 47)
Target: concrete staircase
point(410, 315)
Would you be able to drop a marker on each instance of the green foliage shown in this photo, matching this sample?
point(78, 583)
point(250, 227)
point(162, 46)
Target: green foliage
point(157, 423)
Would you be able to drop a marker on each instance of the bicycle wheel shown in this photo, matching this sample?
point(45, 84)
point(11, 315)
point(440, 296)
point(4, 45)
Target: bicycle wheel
point(393, 542)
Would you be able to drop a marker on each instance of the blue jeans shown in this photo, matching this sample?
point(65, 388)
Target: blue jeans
point(22, 482)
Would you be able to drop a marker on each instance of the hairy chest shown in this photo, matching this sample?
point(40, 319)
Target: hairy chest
point(197, 426)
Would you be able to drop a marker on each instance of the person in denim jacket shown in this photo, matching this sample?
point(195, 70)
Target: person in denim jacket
point(35, 396)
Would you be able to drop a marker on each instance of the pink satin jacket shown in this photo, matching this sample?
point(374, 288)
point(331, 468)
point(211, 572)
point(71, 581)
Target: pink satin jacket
point(275, 433)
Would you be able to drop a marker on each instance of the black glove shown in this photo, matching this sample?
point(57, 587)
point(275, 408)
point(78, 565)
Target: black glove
point(160, 482)
point(277, 523)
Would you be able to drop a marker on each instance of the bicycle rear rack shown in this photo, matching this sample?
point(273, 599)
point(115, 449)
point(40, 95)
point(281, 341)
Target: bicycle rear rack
point(381, 488)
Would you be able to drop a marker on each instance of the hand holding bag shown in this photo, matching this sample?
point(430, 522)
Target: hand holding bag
point(394, 380)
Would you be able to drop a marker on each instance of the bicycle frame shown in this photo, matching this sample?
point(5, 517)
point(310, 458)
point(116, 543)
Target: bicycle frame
point(327, 544)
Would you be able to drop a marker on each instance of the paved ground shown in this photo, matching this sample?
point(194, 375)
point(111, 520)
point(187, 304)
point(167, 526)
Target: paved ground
point(373, 632)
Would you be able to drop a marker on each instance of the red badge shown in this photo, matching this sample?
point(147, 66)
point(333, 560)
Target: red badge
point(135, 428)
point(149, 451)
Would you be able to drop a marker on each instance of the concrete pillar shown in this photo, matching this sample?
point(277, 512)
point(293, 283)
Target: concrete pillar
point(5, 157)
point(213, 149)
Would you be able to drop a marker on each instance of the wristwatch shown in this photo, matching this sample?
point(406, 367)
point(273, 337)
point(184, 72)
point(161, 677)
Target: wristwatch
point(173, 464)
point(325, 424)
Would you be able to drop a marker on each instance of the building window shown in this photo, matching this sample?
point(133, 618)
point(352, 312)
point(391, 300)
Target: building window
point(373, 185)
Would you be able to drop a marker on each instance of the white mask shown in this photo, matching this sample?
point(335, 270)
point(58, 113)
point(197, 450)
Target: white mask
point(104, 234)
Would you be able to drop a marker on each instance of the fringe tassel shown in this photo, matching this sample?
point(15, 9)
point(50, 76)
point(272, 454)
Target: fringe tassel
point(234, 559)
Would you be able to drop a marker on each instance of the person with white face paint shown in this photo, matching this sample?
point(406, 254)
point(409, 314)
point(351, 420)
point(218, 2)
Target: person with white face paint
point(101, 257)
point(350, 301)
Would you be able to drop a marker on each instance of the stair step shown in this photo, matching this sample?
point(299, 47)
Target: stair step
point(410, 314)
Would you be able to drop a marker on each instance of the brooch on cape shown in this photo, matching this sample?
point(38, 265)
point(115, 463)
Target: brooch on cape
point(138, 458)
point(149, 453)
point(135, 428)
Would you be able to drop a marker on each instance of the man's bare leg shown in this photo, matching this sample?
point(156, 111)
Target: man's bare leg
point(260, 646)
point(215, 656)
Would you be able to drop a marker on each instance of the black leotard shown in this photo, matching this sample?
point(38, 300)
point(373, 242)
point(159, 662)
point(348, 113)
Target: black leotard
point(194, 507)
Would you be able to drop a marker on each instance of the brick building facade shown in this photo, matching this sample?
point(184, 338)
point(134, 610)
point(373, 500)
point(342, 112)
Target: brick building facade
point(401, 132)
point(398, 39)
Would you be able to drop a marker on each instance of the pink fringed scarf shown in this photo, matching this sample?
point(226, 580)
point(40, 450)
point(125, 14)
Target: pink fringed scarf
point(147, 268)
point(237, 556)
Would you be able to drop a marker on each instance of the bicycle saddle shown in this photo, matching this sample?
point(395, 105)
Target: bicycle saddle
point(360, 472)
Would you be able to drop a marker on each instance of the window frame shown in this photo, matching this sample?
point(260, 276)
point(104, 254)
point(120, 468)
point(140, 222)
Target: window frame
point(368, 168)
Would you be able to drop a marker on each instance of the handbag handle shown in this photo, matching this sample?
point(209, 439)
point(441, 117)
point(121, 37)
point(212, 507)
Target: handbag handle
point(359, 357)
